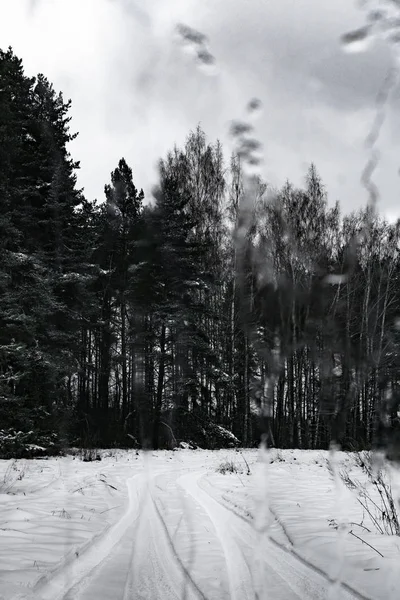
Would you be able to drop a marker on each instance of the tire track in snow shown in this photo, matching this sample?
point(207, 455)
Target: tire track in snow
point(240, 578)
point(247, 517)
point(279, 573)
point(198, 554)
point(134, 560)
point(287, 548)
point(57, 584)
point(157, 570)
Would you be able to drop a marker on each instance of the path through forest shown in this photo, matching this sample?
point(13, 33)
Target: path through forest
point(176, 541)
point(189, 525)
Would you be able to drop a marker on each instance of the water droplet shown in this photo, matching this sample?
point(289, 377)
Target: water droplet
point(205, 57)
point(254, 107)
point(206, 61)
point(358, 40)
point(376, 15)
point(195, 43)
point(255, 160)
point(239, 128)
point(192, 36)
point(248, 145)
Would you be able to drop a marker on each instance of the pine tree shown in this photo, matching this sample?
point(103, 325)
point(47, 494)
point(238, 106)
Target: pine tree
point(39, 202)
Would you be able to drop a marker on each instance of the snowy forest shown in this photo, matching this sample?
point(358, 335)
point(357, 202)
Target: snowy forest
point(131, 321)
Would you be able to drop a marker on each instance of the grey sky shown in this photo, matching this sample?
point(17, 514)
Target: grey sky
point(135, 92)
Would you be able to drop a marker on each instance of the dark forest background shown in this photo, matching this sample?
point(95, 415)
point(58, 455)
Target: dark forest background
point(142, 322)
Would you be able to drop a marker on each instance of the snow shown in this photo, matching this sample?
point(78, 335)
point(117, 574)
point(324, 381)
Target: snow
point(75, 277)
point(20, 257)
point(171, 525)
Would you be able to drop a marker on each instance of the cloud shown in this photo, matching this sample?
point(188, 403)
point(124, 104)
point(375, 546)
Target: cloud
point(191, 36)
point(135, 92)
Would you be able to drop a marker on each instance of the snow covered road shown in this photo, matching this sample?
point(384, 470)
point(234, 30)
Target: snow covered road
point(179, 535)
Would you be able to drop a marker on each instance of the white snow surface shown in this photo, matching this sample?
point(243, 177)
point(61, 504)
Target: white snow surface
point(171, 526)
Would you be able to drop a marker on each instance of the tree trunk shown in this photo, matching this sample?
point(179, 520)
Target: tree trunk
point(160, 390)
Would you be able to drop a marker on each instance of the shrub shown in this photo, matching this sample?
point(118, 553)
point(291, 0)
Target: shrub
point(228, 466)
point(375, 495)
point(30, 444)
point(198, 428)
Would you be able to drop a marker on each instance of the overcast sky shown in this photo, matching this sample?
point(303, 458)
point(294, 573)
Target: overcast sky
point(135, 92)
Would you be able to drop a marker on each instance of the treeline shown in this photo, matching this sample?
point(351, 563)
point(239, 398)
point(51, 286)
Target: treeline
point(127, 322)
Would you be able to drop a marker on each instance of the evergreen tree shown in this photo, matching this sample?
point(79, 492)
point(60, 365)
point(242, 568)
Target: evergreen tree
point(39, 201)
point(129, 324)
